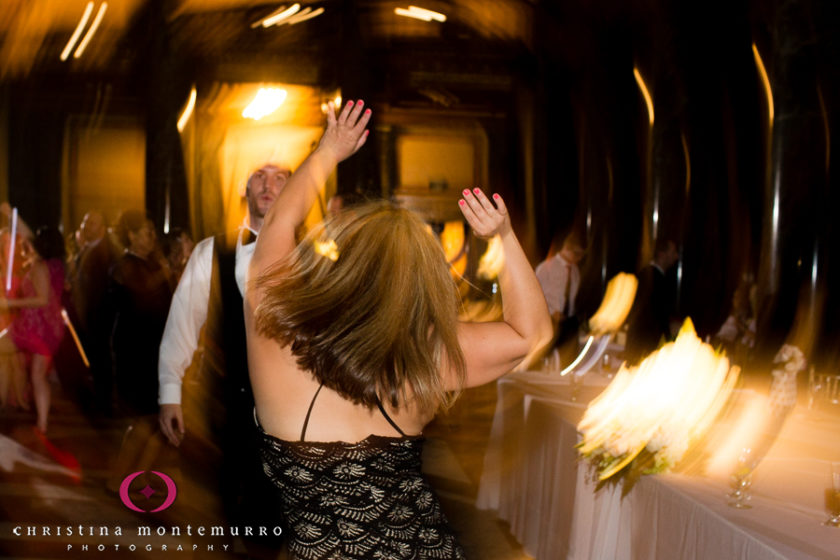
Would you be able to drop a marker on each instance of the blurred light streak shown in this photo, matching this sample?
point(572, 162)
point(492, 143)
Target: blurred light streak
point(665, 404)
point(305, 15)
point(420, 13)
point(66, 318)
point(655, 215)
point(746, 429)
point(759, 63)
point(687, 163)
point(645, 93)
point(579, 358)
point(11, 260)
point(65, 54)
point(824, 114)
point(492, 261)
point(277, 16)
point(616, 304)
point(774, 225)
point(167, 207)
point(188, 110)
point(91, 30)
point(266, 102)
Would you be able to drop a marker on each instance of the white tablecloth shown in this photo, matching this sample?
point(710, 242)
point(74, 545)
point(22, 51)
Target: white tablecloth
point(533, 479)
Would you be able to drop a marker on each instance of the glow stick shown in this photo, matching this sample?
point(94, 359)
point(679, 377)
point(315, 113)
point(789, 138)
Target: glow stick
point(75, 336)
point(11, 259)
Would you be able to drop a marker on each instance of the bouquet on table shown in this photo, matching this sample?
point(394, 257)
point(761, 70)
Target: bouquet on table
point(650, 415)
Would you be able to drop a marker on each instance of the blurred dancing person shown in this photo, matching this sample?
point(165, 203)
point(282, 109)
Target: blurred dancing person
point(211, 416)
point(140, 295)
point(37, 328)
point(354, 344)
point(89, 305)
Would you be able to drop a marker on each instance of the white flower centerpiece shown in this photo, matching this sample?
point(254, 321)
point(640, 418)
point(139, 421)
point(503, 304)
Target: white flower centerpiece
point(650, 415)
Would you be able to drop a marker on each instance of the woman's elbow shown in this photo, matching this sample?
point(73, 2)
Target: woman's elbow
point(544, 333)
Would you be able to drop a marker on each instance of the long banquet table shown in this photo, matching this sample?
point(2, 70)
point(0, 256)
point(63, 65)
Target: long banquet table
point(533, 479)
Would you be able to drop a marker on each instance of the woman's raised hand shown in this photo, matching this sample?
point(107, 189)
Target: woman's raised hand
point(485, 219)
point(346, 133)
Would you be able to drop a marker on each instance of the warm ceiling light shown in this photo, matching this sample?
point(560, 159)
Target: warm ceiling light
point(420, 13)
point(65, 54)
point(93, 27)
point(266, 102)
point(277, 16)
point(188, 111)
point(305, 15)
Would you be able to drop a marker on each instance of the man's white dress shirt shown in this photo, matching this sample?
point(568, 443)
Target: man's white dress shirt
point(188, 313)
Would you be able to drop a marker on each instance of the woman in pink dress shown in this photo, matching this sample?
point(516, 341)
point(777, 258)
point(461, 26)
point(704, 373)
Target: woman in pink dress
point(38, 327)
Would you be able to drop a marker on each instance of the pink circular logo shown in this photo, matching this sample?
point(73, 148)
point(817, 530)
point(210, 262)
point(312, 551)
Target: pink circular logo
point(148, 491)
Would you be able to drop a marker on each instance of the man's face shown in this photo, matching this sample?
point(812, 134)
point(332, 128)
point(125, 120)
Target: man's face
point(671, 256)
point(573, 252)
point(263, 188)
point(92, 227)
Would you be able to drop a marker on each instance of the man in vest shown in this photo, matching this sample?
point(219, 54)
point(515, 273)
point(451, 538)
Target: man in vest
point(216, 414)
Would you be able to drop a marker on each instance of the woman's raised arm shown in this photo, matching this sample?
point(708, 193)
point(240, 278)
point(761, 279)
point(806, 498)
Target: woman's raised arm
point(343, 137)
point(493, 349)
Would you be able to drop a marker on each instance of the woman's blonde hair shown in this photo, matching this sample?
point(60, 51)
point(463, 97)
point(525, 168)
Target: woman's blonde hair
point(367, 304)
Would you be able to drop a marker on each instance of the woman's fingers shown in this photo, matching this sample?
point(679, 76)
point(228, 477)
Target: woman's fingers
point(482, 199)
point(356, 112)
point(500, 204)
point(484, 217)
point(331, 122)
point(345, 112)
point(469, 214)
point(478, 210)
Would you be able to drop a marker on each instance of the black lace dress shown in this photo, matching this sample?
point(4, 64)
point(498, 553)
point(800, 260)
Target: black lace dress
point(357, 500)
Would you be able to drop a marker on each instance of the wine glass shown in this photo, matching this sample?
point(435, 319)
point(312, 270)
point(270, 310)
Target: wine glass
point(575, 384)
point(832, 497)
point(741, 479)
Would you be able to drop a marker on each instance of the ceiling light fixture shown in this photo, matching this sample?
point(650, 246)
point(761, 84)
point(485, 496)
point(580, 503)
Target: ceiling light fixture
point(266, 102)
point(93, 27)
point(304, 16)
point(277, 16)
point(420, 13)
point(65, 54)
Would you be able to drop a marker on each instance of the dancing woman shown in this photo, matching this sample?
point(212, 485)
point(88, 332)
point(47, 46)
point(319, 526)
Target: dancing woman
point(354, 344)
point(38, 328)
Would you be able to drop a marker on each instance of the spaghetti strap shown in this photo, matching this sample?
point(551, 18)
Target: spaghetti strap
point(309, 412)
point(388, 418)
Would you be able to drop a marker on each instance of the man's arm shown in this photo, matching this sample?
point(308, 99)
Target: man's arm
point(187, 314)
